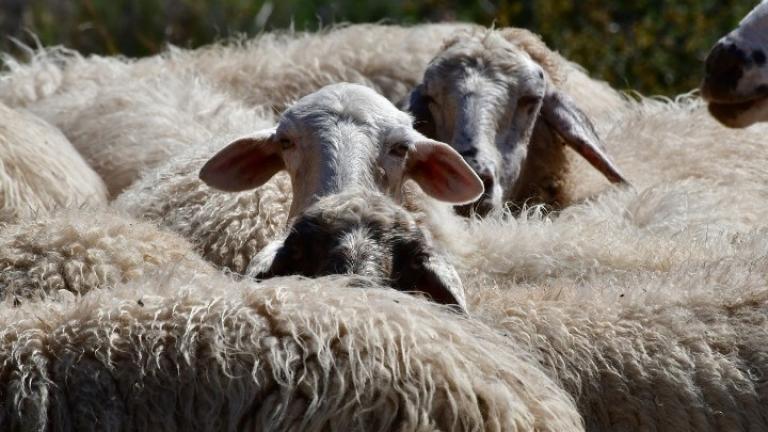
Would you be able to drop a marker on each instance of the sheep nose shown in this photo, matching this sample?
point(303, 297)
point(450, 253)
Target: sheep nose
point(488, 179)
point(724, 68)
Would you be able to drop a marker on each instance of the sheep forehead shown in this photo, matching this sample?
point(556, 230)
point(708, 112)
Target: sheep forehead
point(487, 50)
point(757, 15)
point(355, 208)
point(753, 28)
point(346, 102)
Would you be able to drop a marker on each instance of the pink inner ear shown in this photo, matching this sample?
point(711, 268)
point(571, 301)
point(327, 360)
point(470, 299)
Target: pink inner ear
point(245, 164)
point(440, 177)
point(444, 175)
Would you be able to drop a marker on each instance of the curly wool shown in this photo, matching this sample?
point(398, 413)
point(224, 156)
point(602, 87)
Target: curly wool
point(39, 169)
point(81, 250)
point(182, 351)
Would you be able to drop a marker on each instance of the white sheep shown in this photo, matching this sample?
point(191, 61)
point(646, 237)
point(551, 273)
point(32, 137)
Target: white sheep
point(202, 352)
point(736, 72)
point(39, 169)
point(495, 97)
point(316, 142)
point(81, 250)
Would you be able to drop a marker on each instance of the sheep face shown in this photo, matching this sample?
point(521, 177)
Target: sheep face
point(366, 234)
point(340, 137)
point(484, 95)
point(736, 72)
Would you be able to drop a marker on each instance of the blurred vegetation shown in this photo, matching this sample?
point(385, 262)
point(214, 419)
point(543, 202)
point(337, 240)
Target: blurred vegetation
point(654, 46)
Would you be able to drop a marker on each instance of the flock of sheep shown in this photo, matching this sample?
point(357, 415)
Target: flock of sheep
point(438, 227)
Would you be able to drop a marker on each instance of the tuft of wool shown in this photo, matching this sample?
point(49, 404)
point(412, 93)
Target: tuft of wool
point(183, 351)
point(39, 169)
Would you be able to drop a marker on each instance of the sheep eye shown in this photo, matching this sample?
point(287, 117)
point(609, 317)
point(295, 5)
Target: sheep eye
point(527, 101)
point(399, 150)
point(285, 143)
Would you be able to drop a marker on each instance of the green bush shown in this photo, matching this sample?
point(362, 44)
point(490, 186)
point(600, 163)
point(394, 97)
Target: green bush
point(654, 46)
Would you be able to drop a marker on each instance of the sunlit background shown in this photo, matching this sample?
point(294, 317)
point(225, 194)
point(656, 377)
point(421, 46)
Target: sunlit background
point(654, 46)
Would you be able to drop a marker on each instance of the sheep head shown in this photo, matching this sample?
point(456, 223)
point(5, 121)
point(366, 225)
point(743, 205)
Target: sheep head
point(340, 137)
point(362, 233)
point(736, 72)
point(489, 99)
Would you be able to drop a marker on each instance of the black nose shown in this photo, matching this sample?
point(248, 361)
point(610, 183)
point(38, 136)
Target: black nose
point(724, 68)
point(484, 204)
point(488, 179)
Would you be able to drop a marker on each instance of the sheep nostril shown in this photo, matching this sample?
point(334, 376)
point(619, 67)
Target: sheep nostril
point(725, 64)
point(488, 181)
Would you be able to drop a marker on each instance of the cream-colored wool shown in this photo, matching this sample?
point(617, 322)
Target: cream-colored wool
point(134, 125)
point(185, 351)
point(39, 169)
point(278, 68)
point(82, 250)
point(658, 141)
point(688, 353)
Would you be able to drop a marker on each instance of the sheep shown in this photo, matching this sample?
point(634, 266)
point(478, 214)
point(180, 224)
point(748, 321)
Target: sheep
point(204, 352)
point(736, 73)
point(367, 234)
point(488, 94)
point(80, 250)
point(39, 169)
point(342, 136)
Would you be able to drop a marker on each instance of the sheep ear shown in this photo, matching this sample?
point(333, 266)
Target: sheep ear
point(415, 269)
point(562, 115)
point(418, 105)
point(246, 163)
point(442, 173)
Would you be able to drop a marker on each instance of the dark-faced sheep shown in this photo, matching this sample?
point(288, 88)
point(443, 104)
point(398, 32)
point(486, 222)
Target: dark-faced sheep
point(494, 96)
point(366, 234)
